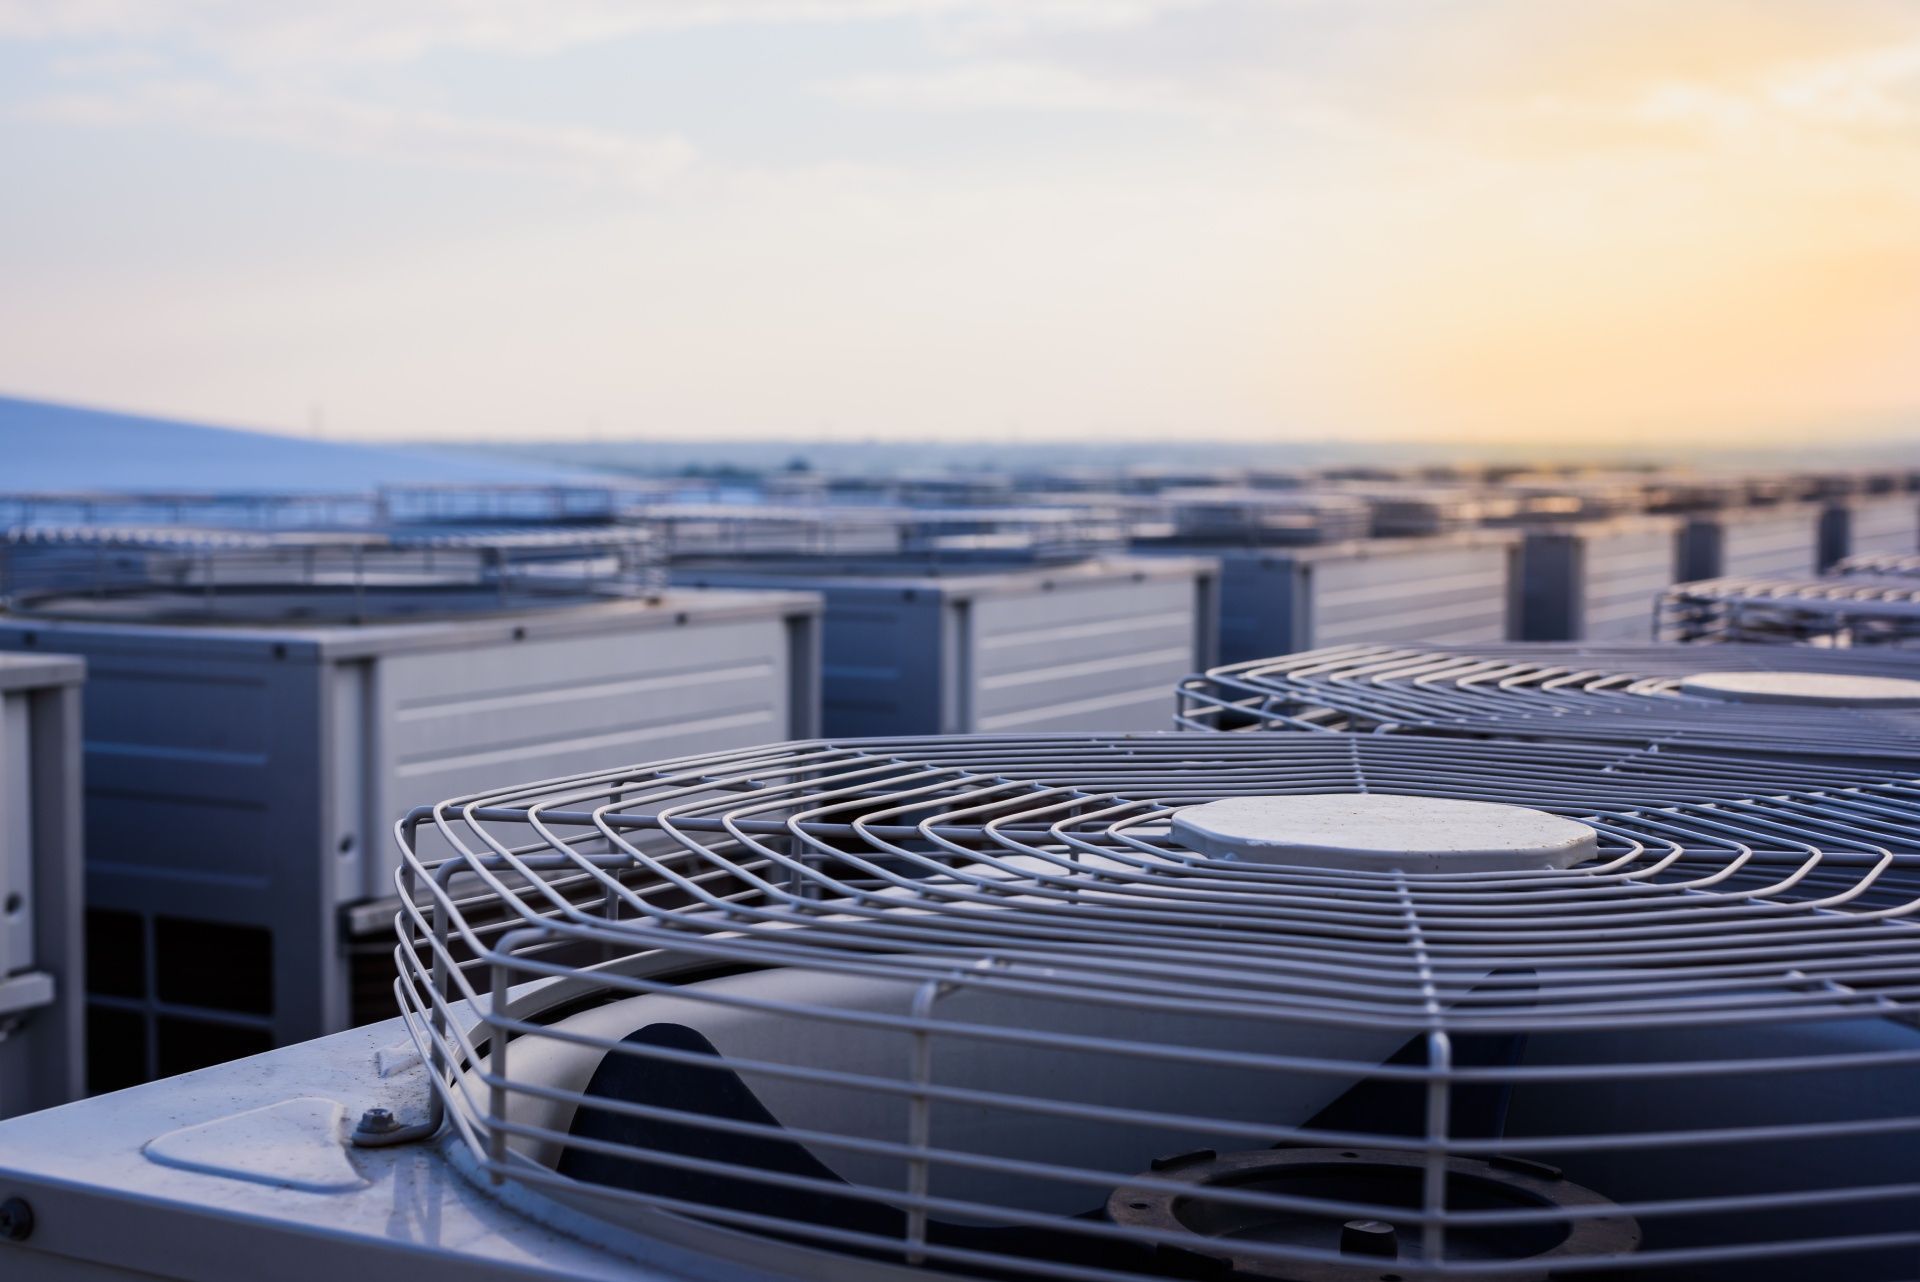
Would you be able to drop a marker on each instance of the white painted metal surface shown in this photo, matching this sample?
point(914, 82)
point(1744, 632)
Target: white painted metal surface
point(1375, 833)
point(41, 954)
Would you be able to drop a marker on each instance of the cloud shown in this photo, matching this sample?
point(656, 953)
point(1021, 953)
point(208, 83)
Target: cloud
point(344, 127)
point(1867, 95)
point(1018, 86)
point(248, 32)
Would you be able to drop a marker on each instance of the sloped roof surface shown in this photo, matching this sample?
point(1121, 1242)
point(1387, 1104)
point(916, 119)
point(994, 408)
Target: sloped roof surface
point(47, 446)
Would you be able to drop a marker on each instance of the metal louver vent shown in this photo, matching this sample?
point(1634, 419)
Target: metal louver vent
point(1778, 700)
point(1188, 1006)
point(1847, 610)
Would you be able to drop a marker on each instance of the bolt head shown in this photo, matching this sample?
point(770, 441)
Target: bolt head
point(378, 1119)
point(16, 1220)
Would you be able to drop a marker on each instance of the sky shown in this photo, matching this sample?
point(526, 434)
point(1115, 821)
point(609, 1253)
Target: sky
point(1099, 220)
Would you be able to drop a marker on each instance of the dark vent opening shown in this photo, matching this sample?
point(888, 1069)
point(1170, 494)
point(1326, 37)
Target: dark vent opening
point(116, 1049)
point(214, 965)
point(116, 953)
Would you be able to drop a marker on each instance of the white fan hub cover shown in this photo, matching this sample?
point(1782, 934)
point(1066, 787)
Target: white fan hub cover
point(1371, 832)
point(1823, 689)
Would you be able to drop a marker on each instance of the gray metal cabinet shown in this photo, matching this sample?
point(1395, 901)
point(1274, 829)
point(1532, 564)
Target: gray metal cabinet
point(242, 783)
point(1596, 581)
point(1869, 526)
point(41, 955)
point(1093, 645)
point(1762, 542)
point(1446, 588)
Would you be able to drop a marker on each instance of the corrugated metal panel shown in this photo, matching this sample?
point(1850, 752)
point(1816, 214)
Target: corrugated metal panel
point(40, 851)
point(468, 719)
point(1749, 543)
point(1598, 581)
point(1883, 525)
point(1092, 645)
point(1089, 657)
point(1458, 588)
point(250, 778)
point(1625, 571)
point(1435, 592)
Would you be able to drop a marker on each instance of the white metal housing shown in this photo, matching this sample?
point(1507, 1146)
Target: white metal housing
point(890, 1010)
point(1088, 645)
point(41, 955)
point(1456, 587)
point(1596, 580)
point(241, 779)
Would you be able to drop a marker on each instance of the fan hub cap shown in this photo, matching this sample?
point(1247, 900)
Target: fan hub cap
point(1807, 689)
point(1370, 832)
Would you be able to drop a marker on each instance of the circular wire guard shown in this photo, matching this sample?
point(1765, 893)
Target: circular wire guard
point(1846, 610)
point(1891, 565)
point(870, 1007)
point(1614, 693)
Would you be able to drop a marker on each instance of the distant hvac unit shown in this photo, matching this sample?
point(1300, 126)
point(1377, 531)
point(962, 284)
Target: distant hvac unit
point(1794, 701)
point(934, 538)
point(1884, 525)
point(1402, 511)
point(1751, 542)
point(1846, 610)
point(1458, 587)
point(1543, 497)
point(40, 931)
point(1264, 518)
point(1882, 565)
point(243, 509)
point(453, 504)
point(260, 705)
point(960, 620)
point(1295, 1007)
point(1596, 580)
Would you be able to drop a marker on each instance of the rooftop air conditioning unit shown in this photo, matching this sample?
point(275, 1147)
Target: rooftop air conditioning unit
point(1291, 1007)
point(1265, 518)
point(1458, 587)
point(1846, 610)
point(1795, 701)
point(503, 505)
point(1402, 510)
point(259, 704)
point(968, 619)
point(239, 509)
point(41, 1014)
point(1552, 497)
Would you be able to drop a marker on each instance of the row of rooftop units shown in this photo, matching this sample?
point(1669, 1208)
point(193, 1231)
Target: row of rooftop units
point(1700, 1054)
point(288, 673)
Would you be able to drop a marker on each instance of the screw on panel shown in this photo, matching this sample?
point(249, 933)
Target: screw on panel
point(16, 1220)
point(378, 1121)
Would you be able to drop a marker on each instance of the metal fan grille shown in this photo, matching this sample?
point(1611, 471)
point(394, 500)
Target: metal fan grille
point(1729, 912)
point(1628, 694)
point(1847, 610)
point(1891, 565)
